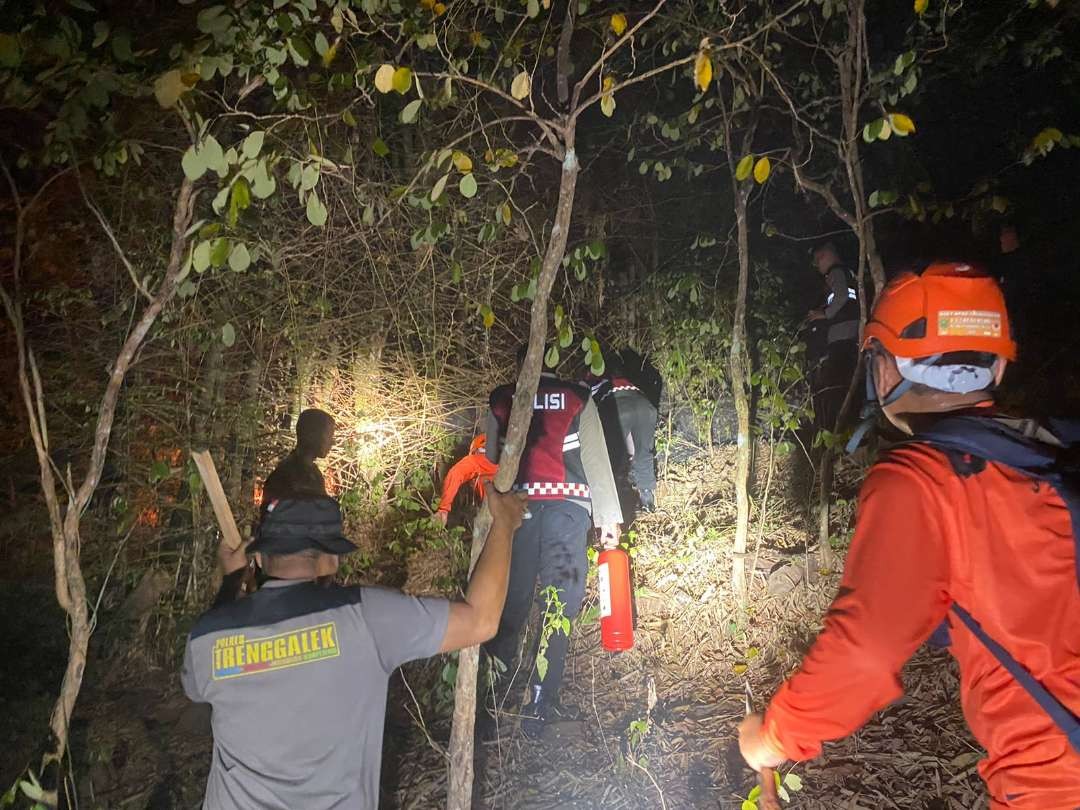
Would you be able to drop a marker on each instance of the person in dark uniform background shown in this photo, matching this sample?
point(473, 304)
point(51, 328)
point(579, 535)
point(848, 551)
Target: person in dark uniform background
point(566, 474)
point(297, 476)
point(297, 673)
point(831, 379)
point(629, 419)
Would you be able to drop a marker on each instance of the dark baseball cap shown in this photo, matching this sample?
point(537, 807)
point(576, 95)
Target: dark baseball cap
point(291, 526)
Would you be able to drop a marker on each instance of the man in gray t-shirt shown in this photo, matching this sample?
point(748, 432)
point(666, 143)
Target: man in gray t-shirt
point(297, 672)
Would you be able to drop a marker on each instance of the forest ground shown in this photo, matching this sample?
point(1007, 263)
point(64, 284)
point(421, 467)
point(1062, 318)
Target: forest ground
point(656, 726)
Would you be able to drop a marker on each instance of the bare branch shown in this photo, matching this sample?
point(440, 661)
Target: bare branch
point(107, 229)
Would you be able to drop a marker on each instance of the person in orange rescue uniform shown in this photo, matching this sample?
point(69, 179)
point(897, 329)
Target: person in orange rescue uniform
point(474, 467)
point(953, 537)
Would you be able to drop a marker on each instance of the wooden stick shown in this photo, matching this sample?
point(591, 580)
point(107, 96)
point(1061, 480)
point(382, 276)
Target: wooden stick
point(204, 462)
point(770, 798)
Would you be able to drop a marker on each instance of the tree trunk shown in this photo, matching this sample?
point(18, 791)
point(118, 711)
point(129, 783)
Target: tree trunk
point(739, 363)
point(243, 455)
point(459, 796)
point(66, 524)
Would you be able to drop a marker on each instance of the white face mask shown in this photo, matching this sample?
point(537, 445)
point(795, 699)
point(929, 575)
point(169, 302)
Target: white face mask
point(954, 379)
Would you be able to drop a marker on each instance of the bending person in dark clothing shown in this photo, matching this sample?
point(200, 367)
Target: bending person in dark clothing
point(629, 419)
point(297, 477)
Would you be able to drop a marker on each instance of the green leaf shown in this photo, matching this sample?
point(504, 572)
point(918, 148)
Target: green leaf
point(746, 165)
point(82, 5)
point(168, 87)
point(300, 51)
point(316, 211)
point(200, 258)
point(541, 659)
point(439, 187)
point(551, 359)
point(220, 199)
point(309, 177)
point(121, 46)
point(240, 258)
point(793, 781)
point(380, 148)
point(467, 186)
point(101, 33)
point(566, 336)
point(596, 249)
point(253, 144)
point(10, 51)
point(402, 80)
point(219, 252)
point(532, 8)
point(239, 199)
point(487, 316)
point(228, 335)
point(755, 793)
point(208, 18)
point(748, 805)
point(213, 155)
point(262, 184)
point(159, 471)
point(321, 45)
point(876, 130)
point(193, 164)
point(410, 111)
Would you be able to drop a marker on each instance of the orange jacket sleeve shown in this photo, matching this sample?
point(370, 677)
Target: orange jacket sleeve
point(892, 595)
point(474, 465)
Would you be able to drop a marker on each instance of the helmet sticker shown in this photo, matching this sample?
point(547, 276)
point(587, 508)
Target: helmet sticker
point(969, 323)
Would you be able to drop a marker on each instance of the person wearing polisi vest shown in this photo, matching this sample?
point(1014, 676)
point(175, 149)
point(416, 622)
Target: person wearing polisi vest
point(566, 475)
point(840, 316)
point(629, 421)
point(297, 672)
point(972, 522)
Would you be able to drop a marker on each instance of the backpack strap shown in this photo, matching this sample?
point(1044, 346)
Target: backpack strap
point(1062, 717)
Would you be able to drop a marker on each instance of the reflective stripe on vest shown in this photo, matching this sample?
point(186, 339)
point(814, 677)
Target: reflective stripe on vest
point(850, 294)
point(553, 489)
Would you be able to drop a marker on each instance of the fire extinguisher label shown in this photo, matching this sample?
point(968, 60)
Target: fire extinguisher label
point(603, 587)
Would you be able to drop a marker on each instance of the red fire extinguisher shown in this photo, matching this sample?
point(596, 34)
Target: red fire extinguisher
point(616, 612)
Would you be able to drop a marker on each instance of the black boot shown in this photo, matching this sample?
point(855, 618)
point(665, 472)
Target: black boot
point(544, 709)
point(647, 499)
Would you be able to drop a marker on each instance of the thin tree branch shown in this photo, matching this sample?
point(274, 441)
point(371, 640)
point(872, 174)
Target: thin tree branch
point(107, 229)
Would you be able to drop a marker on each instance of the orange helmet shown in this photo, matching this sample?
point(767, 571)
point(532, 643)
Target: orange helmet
point(949, 307)
point(478, 444)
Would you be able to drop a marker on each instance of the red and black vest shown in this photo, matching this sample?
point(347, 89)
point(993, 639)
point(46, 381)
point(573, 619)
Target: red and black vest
point(551, 467)
point(603, 387)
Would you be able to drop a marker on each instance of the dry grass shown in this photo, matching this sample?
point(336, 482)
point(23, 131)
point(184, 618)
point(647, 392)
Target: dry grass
point(697, 649)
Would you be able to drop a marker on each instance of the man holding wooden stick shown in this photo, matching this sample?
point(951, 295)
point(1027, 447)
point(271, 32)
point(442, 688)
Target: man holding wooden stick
point(297, 672)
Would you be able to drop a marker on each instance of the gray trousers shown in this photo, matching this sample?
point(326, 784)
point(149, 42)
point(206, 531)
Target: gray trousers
point(549, 547)
point(631, 448)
